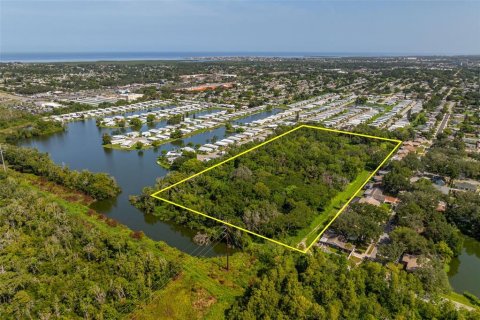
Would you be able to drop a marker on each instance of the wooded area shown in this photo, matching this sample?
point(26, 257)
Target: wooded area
point(55, 263)
point(97, 185)
point(277, 189)
point(320, 286)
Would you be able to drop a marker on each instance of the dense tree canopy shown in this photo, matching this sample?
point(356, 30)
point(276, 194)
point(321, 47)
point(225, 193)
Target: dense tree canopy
point(35, 129)
point(320, 286)
point(55, 264)
point(362, 223)
point(464, 212)
point(97, 185)
point(397, 178)
point(278, 188)
point(448, 158)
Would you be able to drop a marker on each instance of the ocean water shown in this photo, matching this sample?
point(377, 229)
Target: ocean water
point(130, 56)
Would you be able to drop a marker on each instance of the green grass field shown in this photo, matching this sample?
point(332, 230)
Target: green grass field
point(460, 298)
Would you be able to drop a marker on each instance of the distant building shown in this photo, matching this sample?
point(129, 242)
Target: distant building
point(131, 96)
point(52, 105)
point(466, 185)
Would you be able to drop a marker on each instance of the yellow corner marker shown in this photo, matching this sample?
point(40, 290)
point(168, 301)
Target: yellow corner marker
point(398, 143)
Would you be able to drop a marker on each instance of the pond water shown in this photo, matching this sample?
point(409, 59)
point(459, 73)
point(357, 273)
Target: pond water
point(464, 273)
point(80, 148)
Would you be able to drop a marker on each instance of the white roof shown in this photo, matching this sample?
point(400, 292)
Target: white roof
point(205, 149)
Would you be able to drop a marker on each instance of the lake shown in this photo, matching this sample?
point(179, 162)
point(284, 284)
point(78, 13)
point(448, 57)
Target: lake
point(80, 147)
point(464, 273)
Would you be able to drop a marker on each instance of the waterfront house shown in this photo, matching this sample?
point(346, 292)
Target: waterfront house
point(211, 146)
point(188, 149)
point(205, 149)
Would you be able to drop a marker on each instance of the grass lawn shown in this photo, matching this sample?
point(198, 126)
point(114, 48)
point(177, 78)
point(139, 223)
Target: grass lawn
point(185, 293)
point(457, 297)
point(162, 162)
point(203, 291)
point(355, 260)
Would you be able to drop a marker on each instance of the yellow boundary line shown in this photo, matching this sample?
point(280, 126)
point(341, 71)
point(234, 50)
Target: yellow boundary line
point(399, 142)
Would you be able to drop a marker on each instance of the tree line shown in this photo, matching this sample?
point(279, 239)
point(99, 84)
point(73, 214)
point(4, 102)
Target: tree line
point(97, 185)
point(36, 128)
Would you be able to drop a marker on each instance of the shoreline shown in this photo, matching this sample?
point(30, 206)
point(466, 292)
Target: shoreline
point(104, 57)
point(193, 133)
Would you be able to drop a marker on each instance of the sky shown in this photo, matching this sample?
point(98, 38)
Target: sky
point(362, 26)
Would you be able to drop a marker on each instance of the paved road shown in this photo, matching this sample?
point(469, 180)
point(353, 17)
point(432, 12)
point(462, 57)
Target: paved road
point(446, 118)
point(443, 124)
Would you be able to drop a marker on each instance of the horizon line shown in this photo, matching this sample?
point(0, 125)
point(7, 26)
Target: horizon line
point(119, 56)
point(238, 52)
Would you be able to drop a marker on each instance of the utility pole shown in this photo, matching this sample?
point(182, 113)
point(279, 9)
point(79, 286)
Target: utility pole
point(228, 248)
point(3, 160)
point(228, 252)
